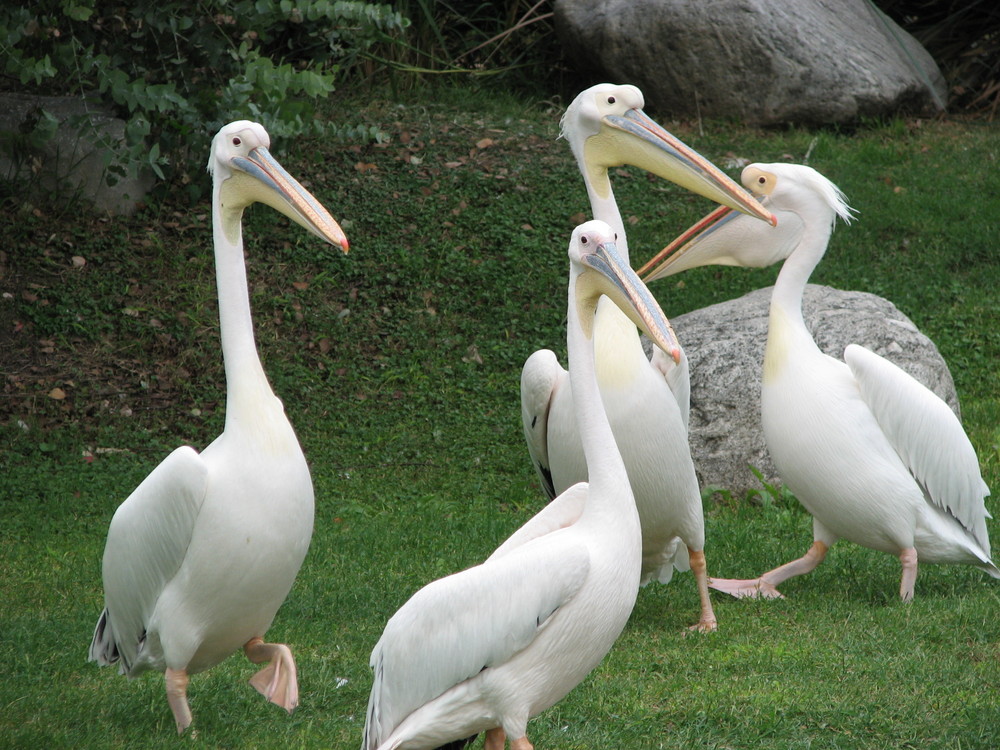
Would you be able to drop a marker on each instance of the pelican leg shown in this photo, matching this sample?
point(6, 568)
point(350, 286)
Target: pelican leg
point(908, 558)
point(277, 681)
point(707, 623)
point(177, 681)
point(766, 585)
point(521, 744)
point(495, 739)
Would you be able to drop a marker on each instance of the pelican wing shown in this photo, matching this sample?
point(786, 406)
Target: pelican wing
point(564, 511)
point(927, 436)
point(541, 376)
point(147, 540)
point(458, 626)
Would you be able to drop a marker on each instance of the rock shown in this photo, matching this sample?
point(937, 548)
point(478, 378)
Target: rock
point(75, 162)
point(725, 347)
point(809, 61)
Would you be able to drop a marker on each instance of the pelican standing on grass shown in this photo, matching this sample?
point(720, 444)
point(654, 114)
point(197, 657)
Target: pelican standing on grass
point(872, 454)
point(201, 555)
point(489, 647)
point(646, 399)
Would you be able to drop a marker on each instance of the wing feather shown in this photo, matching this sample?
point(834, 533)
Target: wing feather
point(540, 377)
point(927, 436)
point(457, 626)
point(561, 512)
point(147, 540)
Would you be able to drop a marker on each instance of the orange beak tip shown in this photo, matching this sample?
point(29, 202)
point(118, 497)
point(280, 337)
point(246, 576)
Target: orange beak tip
point(345, 246)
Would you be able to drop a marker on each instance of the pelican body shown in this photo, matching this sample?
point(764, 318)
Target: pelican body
point(872, 454)
point(489, 647)
point(646, 399)
point(201, 555)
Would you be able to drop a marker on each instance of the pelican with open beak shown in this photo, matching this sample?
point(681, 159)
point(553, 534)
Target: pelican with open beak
point(646, 398)
point(872, 454)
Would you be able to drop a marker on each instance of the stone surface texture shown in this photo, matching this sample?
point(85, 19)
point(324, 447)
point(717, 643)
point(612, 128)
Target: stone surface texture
point(725, 347)
point(74, 164)
point(764, 62)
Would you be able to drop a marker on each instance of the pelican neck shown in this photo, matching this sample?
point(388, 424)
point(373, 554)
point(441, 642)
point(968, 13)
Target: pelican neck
point(605, 468)
point(790, 285)
point(245, 378)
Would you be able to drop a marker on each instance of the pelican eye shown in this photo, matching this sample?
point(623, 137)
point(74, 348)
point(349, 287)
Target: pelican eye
point(584, 240)
point(237, 140)
point(611, 100)
point(762, 179)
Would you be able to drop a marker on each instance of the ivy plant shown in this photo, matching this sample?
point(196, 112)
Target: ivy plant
point(177, 71)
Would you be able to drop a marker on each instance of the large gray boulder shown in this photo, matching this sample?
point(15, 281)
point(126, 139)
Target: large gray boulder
point(765, 62)
point(725, 346)
point(75, 163)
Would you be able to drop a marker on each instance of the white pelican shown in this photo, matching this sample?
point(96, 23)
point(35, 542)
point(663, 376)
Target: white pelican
point(646, 400)
point(201, 555)
point(489, 647)
point(872, 454)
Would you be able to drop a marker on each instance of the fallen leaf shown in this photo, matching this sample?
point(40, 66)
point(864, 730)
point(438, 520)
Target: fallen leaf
point(79, 261)
point(57, 393)
point(301, 285)
point(472, 355)
point(484, 143)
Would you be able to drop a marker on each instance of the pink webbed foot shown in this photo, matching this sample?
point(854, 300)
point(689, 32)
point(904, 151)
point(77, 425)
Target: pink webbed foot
point(278, 681)
point(754, 588)
point(176, 682)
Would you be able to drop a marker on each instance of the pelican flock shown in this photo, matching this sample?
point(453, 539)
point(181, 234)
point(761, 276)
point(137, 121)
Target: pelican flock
point(872, 454)
point(486, 649)
point(646, 399)
point(201, 555)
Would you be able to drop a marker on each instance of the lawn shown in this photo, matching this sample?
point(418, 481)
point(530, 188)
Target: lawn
point(399, 364)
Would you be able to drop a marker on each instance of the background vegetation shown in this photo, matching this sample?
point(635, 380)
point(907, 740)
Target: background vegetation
point(175, 72)
point(399, 366)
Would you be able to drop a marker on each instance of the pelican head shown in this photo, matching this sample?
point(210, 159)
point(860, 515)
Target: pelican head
point(603, 271)
point(606, 127)
point(245, 173)
point(799, 196)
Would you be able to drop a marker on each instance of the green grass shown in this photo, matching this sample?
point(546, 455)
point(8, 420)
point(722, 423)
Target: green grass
point(458, 255)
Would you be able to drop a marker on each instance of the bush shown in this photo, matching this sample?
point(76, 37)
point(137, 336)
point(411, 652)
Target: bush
point(177, 73)
point(963, 37)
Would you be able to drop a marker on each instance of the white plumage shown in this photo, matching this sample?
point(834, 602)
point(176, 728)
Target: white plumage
point(873, 455)
point(489, 647)
point(201, 555)
point(646, 399)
